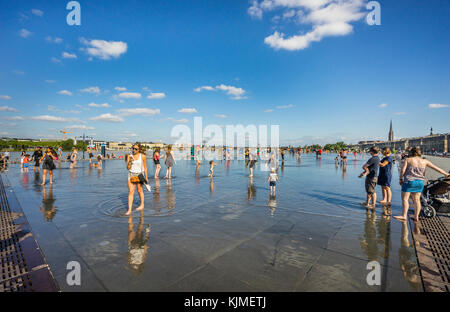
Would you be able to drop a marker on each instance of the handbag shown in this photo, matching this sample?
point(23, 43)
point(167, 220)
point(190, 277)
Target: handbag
point(135, 180)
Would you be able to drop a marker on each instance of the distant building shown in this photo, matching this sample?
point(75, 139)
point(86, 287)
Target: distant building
point(391, 133)
point(119, 146)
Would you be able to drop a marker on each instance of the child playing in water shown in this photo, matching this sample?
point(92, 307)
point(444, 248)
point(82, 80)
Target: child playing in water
point(273, 178)
point(371, 173)
point(211, 168)
point(26, 160)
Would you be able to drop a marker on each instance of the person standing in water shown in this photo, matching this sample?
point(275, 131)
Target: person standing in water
point(156, 161)
point(73, 159)
point(273, 178)
point(252, 161)
point(169, 162)
point(412, 178)
point(37, 155)
point(385, 176)
point(136, 165)
point(48, 164)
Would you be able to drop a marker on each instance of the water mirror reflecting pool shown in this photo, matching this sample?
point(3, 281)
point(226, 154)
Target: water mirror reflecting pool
point(220, 234)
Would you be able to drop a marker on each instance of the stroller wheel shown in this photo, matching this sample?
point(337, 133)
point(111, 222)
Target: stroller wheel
point(428, 211)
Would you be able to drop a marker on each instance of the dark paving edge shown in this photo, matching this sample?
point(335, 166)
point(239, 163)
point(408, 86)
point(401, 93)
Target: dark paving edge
point(38, 272)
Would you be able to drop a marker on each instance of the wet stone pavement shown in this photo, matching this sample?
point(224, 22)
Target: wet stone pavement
point(224, 234)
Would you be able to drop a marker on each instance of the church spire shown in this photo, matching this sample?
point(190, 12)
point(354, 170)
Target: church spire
point(391, 133)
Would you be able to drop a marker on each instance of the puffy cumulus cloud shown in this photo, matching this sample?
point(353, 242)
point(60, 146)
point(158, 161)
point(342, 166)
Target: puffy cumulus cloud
point(130, 95)
point(103, 49)
point(94, 90)
point(68, 55)
point(65, 92)
point(7, 109)
point(51, 118)
point(107, 118)
point(25, 33)
point(327, 18)
point(235, 92)
point(138, 111)
point(156, 96)
point(188, 111)
point(438, 106)
point(207, 88)
point(5, 97)
point(120, 89)
point(104, 105)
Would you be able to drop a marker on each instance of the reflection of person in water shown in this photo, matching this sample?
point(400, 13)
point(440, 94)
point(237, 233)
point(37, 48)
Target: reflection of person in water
point(369, 241)
point(384, 236)
point(48, 208)
point(211, 185)
point(170, 196)
point(272, 203)
point(251, 191)
point(137, 244)
point(407, 259)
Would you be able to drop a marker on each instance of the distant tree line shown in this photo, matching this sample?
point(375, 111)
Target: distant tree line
point(16, 145)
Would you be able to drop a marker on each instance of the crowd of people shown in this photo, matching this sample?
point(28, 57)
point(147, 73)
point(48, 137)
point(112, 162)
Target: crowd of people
point(411, 178)
point(377, 170)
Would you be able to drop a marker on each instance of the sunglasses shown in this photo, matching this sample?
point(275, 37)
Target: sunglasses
point(135, 149)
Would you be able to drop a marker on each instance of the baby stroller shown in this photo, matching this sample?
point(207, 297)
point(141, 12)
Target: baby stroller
point(435, 197)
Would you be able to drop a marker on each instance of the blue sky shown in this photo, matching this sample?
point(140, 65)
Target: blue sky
point(314, 67)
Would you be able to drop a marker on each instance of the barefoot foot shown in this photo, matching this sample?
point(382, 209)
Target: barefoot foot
point(401, 218)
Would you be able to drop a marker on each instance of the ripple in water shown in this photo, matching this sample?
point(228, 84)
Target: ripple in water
point(117, 207)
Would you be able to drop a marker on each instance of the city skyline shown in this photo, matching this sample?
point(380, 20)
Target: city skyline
point(319, 71)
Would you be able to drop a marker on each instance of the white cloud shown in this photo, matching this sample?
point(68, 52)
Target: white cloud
point(138, 111)
point(94, 90)
point(120, 89)
point(7, 109)
point(268, 110)
point(53, 118)
point(68, 55)
point(285, 106)
point(382, 105)
point(157, 95)
point(400, 113)
point(235, 92)
point(54, 109)
point(130, 95)
point(177, 120)
point(103, 49)
point(37, 12)
point(220, 116)
point(24, 33)
point(108, 118)
point(79, 127)
point(255, 11)
point(18, 72)
point(65, 92)
point(15, 118)
point(438, 105)
point(188, 111)
point(53, 39)
point(5, 97)
point(207, 88)
point(327, 18)
point(104, 105)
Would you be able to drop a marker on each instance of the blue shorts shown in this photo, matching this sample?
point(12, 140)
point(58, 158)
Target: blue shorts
point(414, 186)
point(272, 183)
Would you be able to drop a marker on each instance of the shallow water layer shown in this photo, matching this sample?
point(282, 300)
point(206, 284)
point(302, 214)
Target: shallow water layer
point(220, 234)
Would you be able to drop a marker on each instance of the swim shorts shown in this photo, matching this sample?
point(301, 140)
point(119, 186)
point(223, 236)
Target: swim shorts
point(371, 184)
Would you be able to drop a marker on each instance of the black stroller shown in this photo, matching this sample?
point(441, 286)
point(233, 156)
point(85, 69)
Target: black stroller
point(436, 197)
